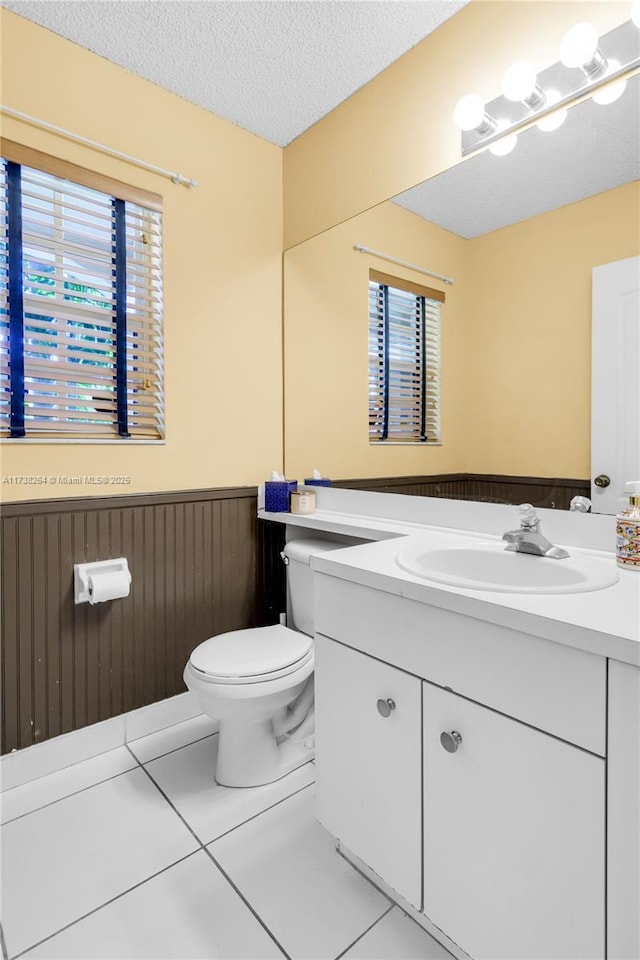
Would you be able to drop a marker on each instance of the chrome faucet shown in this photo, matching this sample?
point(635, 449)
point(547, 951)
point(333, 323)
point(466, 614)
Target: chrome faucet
point(529, 539)
point(580, 505)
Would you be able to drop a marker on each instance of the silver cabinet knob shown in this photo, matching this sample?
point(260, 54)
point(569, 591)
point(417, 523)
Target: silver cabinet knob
point(450, 741)
point(602, 480)
point(385, 707)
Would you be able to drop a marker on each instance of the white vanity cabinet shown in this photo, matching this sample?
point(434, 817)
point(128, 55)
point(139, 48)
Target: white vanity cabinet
point(514, 841)
point(500, 842)
point(369, 747)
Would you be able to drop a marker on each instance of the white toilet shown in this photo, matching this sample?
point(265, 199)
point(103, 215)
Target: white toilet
point(259, 684)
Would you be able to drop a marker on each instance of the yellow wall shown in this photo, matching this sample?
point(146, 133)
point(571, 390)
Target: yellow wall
point(398, 129)
point(516, 340)
point(528, 339)
point(223, 348)
point(222, 267)
point(326, 329)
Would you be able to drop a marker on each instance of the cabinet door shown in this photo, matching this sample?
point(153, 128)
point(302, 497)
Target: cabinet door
point(513, 836)
point(369, 791)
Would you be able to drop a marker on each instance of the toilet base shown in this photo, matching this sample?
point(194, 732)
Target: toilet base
point(249, 756)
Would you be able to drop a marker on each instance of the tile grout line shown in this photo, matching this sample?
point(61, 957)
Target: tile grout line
point(365, 932)
point(137, 765)
point(246, 903)
point(5, 952)
point(102, 753)
point(143, 763)
point(216, 864)
point(393, 904)
point(163, 794)
point(260, 812)
point(137, 762)
point(365, 877)
point(173, 750)
point(67, 796)
point(101, 906)
point(67, 766)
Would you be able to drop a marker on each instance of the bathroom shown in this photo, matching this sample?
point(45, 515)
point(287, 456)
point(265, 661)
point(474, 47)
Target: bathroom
point(298, 161)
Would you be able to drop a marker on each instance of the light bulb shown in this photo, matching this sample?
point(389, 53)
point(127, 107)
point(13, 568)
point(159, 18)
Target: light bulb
point(612, 91)
point(502, 147)
point(635, 12)
point(469, 112)
point(579, 45)
point(553, 120)
point(519, 81)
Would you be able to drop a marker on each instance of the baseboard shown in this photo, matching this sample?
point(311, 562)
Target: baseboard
point(36, 761)
point(157, 716)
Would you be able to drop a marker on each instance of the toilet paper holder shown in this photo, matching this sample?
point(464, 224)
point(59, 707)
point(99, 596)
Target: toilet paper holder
point(83, 573)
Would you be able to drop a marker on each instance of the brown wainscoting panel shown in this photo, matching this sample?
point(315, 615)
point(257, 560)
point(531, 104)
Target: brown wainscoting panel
point(449, 485)
point(555, 493)
point(200, 565)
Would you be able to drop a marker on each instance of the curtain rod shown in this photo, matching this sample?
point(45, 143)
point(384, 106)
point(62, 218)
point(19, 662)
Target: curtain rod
point(403, 263)
point(68, 135)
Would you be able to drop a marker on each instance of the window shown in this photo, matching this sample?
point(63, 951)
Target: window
point(404, 361)
point(80, 303)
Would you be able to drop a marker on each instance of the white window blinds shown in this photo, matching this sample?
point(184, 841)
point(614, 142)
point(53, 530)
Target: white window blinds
point(144, 350)
point(404, 361)
point(5, 387)
point(81, 322)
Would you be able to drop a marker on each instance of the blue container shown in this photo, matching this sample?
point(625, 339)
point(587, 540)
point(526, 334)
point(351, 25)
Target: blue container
point(323, 482)
point(277, 494)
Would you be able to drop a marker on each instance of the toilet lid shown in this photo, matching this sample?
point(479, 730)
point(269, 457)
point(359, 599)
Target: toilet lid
point(251, 653)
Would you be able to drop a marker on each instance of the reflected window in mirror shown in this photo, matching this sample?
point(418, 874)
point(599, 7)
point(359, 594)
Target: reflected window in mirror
point(404, 361)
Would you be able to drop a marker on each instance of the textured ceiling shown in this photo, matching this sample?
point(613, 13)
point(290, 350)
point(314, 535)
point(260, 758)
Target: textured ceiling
point(596, 149)
point(274, 67)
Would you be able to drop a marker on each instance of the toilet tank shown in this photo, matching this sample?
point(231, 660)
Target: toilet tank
point(300, 579)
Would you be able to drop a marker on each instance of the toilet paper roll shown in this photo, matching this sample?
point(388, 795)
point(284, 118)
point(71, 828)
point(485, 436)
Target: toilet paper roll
point(109, 585)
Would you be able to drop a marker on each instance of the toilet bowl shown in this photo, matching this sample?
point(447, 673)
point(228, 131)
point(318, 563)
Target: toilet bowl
point(248, 680)
point(258, 684)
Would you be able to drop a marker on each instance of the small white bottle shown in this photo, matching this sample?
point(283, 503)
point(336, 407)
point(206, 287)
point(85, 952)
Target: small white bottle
point(628, 530)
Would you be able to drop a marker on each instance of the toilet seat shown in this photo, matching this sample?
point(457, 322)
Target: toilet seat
point(256, 655)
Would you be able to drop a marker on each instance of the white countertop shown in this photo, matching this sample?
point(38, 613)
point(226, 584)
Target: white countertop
point(605, 622)
point(362, 527)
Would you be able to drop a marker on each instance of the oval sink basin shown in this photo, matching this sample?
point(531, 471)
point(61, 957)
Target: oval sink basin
point(491, 567)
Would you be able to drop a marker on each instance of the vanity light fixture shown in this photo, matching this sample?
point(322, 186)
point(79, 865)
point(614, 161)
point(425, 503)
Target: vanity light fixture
point(611, 92)
point(470, 114)
point(520, 82)
point(504, 145)
point(579, 48)
point(552, 121)
point(589, 67)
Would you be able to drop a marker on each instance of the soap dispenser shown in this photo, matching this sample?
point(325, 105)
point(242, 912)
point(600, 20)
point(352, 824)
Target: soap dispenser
point(628, 529)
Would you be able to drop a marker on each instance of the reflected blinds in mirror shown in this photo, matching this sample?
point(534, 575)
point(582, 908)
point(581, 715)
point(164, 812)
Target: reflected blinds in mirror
point(80, 311)
point(404, 361)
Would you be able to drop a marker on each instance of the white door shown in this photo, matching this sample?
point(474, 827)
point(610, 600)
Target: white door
point(615, 389)
point(369, 784)
point(514, 836)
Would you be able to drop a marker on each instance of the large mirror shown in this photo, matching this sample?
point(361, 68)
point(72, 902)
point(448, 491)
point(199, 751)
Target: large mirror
point(520, 235)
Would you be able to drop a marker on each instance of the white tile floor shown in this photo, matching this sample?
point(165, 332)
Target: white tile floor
point(139, 854)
